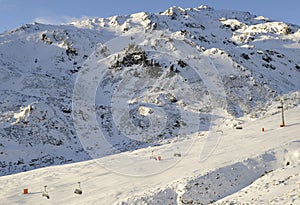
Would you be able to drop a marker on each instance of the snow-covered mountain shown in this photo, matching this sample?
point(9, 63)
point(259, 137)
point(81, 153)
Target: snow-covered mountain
point(248, 167)
point(157, 78)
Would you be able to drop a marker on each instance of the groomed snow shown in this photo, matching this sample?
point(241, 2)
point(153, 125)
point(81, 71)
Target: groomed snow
point(245, 154)
point(250, 61)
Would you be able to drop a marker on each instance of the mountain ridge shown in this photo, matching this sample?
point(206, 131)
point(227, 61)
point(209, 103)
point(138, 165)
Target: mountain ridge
point(255, 58)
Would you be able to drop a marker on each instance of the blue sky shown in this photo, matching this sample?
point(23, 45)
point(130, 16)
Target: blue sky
point(14, 13)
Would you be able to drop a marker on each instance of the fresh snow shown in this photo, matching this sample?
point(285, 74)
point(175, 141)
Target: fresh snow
point(246, 162)
point(126, 89)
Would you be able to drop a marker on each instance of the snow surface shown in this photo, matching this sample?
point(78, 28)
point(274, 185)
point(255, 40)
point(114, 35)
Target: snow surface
point(185, 64)
point(126, 89)
point(248, 166)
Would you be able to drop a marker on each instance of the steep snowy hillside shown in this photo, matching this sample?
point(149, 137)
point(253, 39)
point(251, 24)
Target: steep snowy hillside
point(103, 86)
point(248, 167)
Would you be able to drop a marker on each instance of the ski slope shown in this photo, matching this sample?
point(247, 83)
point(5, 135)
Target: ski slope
point(197, 57)
point(201, 59)
point(244, 156)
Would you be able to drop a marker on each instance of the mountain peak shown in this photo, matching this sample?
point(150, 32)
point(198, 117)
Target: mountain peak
point(255, 61)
